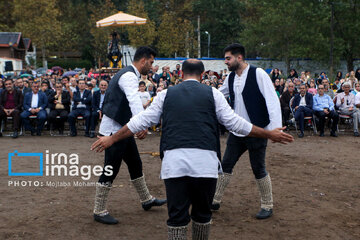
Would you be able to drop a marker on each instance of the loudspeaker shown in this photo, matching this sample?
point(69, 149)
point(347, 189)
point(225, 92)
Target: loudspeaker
point(9, 66)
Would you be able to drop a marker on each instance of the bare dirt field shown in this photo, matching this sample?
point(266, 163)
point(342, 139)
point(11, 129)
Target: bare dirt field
point(316, 187)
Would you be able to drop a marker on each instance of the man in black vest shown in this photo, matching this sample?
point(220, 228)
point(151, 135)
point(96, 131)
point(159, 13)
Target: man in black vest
point(190, 146)
point(252, 96)
point(121, 102)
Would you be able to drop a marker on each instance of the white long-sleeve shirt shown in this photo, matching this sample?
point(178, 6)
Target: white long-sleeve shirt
point(129, 83)
point(190, 162)
point(266, 87)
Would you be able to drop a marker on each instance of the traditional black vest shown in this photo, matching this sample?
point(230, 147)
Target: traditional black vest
point(115, 105)
point(189, 118)
point(254, 101)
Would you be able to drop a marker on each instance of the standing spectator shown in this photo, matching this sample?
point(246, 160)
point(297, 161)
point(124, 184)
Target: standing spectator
point(357, 74)
point(293, 74)
point(324, 107)
point(156, 76)
point(94, 84)
point(178, 71)
point(352, 79)
point(345, 101)
point(82, 106)
point(59, 104)
point(151, 90)
point(144, 96)
point(321, 77)
point(338, 76)
point(285, 100)
point(278, 88)
point(35, 103)
point(11, 101)
point(302, 105)
point(337, 83)
point(96, 103)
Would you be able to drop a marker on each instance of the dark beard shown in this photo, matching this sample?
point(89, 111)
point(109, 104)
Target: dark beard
point(234, 67)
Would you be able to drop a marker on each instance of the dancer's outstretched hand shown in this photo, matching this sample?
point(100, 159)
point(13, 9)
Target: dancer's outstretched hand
point(102, 143)
point(277, 135)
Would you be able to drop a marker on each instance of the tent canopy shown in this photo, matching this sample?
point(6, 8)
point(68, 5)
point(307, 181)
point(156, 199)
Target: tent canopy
point(120, 19)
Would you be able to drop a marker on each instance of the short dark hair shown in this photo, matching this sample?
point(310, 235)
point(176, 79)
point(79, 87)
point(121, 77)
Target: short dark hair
point(81, 80)
point(7, 79)
point(235, 49)
point(142, 83)
point(144, 51)
point(193, 67)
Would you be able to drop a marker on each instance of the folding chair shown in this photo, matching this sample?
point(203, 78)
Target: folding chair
point(4, 127)
point(347, 119)
point(306, 118)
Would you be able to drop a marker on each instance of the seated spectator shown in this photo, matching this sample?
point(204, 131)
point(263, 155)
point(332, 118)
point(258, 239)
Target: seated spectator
point(59, 104)
point(278, 88)
point(35, 103)
point(357, 100)
point(82, 106)
point(21, 87)
point(321, 77)
point(345, 101)
point(285, 100)
point(96, 103)
point(151, 90)
point(312, 88)
point(66, 86)
point(73, 84)
point(323, 106)
point(302, 105)
point(337, 83)
point(95, 86)
point(45, 88)
point(11, 101)
point(327, 89)
point(293, 74)
point(356, 89)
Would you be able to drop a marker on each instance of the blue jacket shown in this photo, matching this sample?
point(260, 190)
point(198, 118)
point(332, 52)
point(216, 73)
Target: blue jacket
point(42, 102)
point(308, 100)
point(96, 98)
point(86, 99)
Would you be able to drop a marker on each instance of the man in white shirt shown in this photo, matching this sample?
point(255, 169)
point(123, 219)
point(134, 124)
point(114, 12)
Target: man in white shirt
point(190, 146)
point(122, 101)
point(252, 96)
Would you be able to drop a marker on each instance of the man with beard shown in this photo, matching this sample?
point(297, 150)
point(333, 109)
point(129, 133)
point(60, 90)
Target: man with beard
point(122, 101)
point(190, 147)
point(252, 96)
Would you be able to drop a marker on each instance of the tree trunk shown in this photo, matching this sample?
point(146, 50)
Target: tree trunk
point(287, 63)
point(43, 55)
point(349, 61)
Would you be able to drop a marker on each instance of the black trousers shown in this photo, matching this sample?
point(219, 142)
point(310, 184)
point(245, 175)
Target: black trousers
point(58, 123)
point(236, 146)
point(123, 150)
point(332, 115)
point(16, 118)
point(185, 191)
point(94, 120)
point(74, 114)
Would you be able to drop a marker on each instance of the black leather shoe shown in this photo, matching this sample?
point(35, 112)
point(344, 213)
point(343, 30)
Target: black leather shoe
point(87, 134)
point(333, 134)
point(15, 134)
point(73, 134)
point(38, 134)
point(321, 134)
point(92, 135)
point(1, 134)
point(301, 135)
point(215, 206)
point(61, 131)
point(356, 134)
point(263, 214)
point(33, 133)
point(106, 219)
point(154, 203)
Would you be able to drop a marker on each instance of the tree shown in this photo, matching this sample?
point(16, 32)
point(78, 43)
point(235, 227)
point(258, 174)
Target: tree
point(100, 36)
point(140, 35)
point(6, 18)
point(38, 20)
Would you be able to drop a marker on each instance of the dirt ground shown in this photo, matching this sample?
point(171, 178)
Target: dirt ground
point(316, 187)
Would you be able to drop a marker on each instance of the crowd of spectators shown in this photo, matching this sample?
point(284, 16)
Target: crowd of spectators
point(53, 99)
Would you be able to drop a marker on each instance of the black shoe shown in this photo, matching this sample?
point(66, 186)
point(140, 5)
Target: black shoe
point(61, 131)
point(38, 134)
point(15, 134)
point(155, 202)
point(87, 134)
point(263, 214)
point(301, 135)
point(92, 135)
point(356, 134)
point(106, 219)
point(321, 134)
point(1, 134)
point(33, 133)
point(333, 134)
point(73, 134)
point(215, 206)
